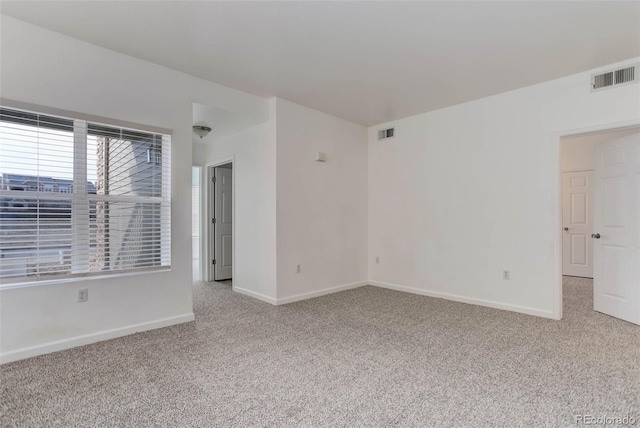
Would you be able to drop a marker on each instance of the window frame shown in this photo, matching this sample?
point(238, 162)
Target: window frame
point(78, 194)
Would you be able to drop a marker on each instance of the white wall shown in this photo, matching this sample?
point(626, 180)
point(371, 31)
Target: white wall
point(464, 192)
point(322, 206)
point(321, 214)
point(456, 197)
point(47, 69)
point(576, 152)
point(254, 153)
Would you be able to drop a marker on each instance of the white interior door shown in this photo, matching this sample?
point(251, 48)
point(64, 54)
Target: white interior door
point(617, 228)
point(222, 223)
point(577, 209)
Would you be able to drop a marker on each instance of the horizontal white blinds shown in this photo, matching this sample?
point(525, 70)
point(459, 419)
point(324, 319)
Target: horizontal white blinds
point(79, 198)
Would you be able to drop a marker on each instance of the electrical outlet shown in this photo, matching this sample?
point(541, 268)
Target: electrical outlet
point(506, 274)
point(83, 295)
point(297, 268)
point(377, 260)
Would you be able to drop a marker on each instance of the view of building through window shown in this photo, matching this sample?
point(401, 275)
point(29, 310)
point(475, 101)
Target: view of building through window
point(79, 198)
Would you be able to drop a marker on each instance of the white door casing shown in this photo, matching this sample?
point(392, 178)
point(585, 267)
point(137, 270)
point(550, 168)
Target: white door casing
point(223, 223)
point(616, 236)
point(577, 223)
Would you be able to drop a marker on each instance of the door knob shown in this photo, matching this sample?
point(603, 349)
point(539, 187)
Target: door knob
point(595, 235)
point(566, 229)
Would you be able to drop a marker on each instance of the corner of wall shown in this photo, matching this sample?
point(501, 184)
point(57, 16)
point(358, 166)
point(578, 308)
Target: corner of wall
point(321, 206)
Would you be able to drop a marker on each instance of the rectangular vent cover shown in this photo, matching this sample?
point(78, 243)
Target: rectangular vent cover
point(614, 78)
point(383, 134)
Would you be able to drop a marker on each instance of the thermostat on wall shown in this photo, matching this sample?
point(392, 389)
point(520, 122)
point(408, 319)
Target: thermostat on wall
point(321, 157)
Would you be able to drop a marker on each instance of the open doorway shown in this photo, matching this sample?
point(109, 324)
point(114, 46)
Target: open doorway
point(599, 216)
point(221, 212)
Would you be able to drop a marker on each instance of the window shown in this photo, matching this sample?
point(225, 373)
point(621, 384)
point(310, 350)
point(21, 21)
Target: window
point(80, 198)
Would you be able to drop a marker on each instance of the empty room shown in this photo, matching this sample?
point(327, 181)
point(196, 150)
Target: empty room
point(314, 214)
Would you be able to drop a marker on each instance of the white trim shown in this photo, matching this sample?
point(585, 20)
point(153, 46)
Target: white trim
point(80, 212)
point(35, 108)
point(323, 292)
point(617, 126)
point(577, 170)
point(464, 299)
point(201, 254)
point(556, 292)
point(203, 225)
point(87, 339)
point(255, 295)
point(84, 277)
point(221, 161)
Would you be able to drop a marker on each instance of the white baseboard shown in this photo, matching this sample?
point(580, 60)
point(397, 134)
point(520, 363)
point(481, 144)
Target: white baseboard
point(86, 339)
point(255, 295)
point(464, 299)
point(325, 291)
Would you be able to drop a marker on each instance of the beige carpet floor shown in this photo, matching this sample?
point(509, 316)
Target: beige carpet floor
point(364, 357)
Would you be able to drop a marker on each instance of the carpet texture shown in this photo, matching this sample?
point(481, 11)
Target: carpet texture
point(363, 357)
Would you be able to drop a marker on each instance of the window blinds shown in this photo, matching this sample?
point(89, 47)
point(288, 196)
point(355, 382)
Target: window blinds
point(80, 198)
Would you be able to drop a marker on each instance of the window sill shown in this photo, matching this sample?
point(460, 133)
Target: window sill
point(79, 278)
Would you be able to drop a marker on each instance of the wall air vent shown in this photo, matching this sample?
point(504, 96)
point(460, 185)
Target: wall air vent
point(614, 78)
point(383, 134)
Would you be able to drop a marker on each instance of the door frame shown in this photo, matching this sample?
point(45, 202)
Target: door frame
point(201, 251)
point(209, 214)
point(557, 247)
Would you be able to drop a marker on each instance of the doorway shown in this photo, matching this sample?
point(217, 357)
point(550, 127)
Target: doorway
point(600, 236)
point(221, 213)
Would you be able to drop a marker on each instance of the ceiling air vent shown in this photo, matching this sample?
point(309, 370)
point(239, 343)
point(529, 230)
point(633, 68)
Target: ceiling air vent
point(383, 134)
point(614, 78)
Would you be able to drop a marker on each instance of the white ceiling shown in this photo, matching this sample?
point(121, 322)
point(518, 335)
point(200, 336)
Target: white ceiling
point(369, 62)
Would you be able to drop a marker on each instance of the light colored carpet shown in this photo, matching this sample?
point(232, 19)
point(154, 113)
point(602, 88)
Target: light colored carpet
point(364, 357)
